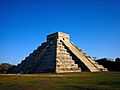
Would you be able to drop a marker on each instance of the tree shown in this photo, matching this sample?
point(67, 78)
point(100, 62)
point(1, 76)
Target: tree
point(5, 67)
point(117, 60)
point(110, 64)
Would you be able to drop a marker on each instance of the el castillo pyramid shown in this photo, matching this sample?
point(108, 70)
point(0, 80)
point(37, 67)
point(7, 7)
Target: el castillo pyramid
point(58, 55)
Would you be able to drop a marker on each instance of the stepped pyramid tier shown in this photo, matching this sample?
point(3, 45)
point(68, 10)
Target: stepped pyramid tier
point(58, 55)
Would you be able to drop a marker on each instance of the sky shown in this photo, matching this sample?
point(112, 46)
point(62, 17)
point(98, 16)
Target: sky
point(93, 25)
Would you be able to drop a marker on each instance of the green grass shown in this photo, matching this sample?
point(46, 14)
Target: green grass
point(66, 81)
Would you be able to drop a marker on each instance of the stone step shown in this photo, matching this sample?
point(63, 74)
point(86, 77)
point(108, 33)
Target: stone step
point(61, 50)
point(64, 58)
point(60, 46)
point(68, 69)
point(99, 66)
point(59, 43)
point(94, 62)
point(67, 64)
point(65, 61)
point(65, 53)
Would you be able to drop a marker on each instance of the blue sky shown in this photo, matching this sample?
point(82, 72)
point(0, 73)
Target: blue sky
point(94, 26)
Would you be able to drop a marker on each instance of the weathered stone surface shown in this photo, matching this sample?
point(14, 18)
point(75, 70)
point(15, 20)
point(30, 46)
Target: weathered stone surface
point(58, 55)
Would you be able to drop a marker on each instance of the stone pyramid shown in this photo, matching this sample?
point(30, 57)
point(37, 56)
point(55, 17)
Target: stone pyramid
point(58, 55)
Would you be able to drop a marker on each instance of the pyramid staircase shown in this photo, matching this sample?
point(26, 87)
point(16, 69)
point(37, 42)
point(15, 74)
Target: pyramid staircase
point(87, 60)
point(64, 62)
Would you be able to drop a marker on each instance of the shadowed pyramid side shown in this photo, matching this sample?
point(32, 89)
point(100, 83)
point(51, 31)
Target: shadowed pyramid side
point(41, 60)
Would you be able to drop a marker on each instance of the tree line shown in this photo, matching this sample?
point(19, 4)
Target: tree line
point(6, 67)
point(110, 64)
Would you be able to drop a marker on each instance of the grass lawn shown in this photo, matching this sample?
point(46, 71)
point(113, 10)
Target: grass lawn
point(66, 81)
